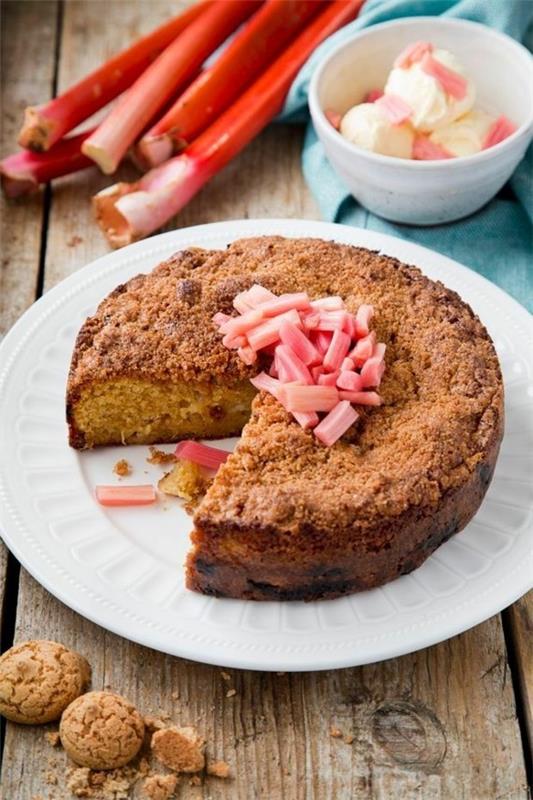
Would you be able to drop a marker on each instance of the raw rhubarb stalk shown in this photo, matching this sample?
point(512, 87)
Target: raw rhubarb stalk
point(45, 125)
point(148, 95)
point(252, 49)
point(127, 212)
point(143, 495)
point(201, 454)
point(23, 172)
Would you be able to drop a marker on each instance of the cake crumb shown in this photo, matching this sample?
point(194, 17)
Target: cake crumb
point(186, 480)
point(225, 676)
point(158, 456)
point(179, 749)
point(335, 732)
point(220, 769)
point(52, 737)
point(231, 692)
point(122, 468)
point(160, 787)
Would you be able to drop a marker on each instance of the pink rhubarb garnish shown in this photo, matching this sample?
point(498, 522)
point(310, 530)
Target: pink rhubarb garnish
point(373, 95)
point(426, 150)
point(321, 357)
point(333, 117)
point(412, 53)
point(451, 82)
point(500, 129)
point(143, 495)
point(340, 418)
point(395, 109)
point(201, 454)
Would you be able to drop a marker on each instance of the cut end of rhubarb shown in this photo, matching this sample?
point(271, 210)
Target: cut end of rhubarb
point(36, 131)
point(17, 187)
point(100, 157)
point(153, 150)
point(113, 224)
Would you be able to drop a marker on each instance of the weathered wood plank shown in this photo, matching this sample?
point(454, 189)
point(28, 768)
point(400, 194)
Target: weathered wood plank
point(520, 617)
point(27, 71)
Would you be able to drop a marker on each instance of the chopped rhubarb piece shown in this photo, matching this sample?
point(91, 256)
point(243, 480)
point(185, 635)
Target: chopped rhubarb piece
point(220, 318)
point(395, 109)
point(347, 365)
point(298, 341)
point(413, 53)
point(329, 378)
point(293, 368)
point(236, 326)
point(257, 294)
point(298, 301)
point(273, 371)
point(247, 355)
point(307, 419)
point(364, 314)
point(333, 117)
point(351, 381)
point(350, 327)
point(268, 332)
point(337, 422)
point(143, 495)
point(337, 350)
point(317, 371)
point(310, 319)
point(372, 372)
point(241, 304)
point(500, 129)
point(332, 303)
point(332, 320)
point(233, 342)
point(361, 398)
point(373, 95)
point(322, 340)
point(379, 350)
point(451, 82)
point(202, 454)
point(266, 383)
point(308, 398)
point(364, 349)
point(426, 150)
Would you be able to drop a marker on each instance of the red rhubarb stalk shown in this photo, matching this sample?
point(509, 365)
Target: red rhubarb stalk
point(148, 95)
point(127, 212)
point(253, 48)
point(44, 125)
point(23, 172)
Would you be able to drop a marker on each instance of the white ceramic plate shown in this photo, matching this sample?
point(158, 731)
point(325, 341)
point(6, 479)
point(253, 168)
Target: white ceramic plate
point(122, 568)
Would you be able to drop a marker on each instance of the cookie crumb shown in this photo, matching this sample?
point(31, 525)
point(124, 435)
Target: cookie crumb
point(175, 695)
point(51, 778)
point(219, 769)
point(158, 456)
point(154, 723)
point(348, 738)
point(160, 787)
point(180, 749)
point(225, 676)
point(231, 692)
point(336, 733)
point(122, 468)
point(79, 781)
point(195, 781)
point(52, 737)
point(74, 240)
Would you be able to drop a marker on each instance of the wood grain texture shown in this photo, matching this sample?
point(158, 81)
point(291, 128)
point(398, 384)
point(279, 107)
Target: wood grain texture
point(520, 617)
point(27, 72)
point(438, 724)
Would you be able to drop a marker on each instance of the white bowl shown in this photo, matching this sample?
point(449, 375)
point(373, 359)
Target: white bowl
point(425, 192)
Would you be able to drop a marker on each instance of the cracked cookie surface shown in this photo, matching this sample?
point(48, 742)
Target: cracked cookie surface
point(101, 730)
point(39, 679)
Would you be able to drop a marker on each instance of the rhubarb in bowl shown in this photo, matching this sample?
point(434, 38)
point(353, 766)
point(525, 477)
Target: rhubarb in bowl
point(425, 192)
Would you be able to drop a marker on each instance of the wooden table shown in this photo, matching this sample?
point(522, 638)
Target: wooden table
point(453, 721)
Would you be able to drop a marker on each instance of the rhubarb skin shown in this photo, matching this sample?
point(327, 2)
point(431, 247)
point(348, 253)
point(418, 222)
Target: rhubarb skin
point(252, 49)
point(176, 65)
point(47, 124)
point(23, 172)
point(128, 212)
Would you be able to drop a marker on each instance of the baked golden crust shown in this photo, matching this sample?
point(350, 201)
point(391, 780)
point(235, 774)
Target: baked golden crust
point(409, 472)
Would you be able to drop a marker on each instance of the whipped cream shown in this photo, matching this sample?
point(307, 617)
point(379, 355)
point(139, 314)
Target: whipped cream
point(431, 106)
point(368, 127)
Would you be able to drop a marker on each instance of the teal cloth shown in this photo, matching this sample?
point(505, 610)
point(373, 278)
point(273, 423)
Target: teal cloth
point(497, 241)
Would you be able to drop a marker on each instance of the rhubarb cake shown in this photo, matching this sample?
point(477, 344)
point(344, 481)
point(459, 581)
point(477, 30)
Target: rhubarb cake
point(286, 516)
